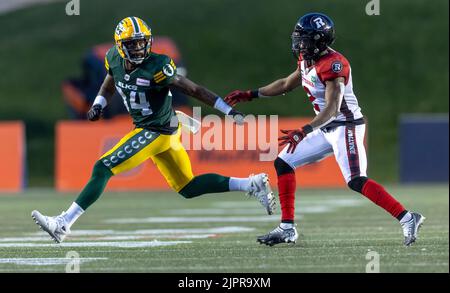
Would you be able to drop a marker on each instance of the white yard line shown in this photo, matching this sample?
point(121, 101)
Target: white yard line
point(120, 244)
point(337, 201)
point(214, 230)
point(247, 211)
point(191, 220)
point(148, 234)
point(39, 261)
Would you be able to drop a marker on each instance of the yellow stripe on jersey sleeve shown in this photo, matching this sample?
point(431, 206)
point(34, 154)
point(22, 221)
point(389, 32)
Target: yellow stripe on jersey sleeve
point(173, 64)
point(159, 77)
point(106, 64)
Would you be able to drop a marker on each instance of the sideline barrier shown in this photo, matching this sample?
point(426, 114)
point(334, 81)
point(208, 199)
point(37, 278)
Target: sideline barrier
point(423, 148)
point(80, 144)
point(12, 150)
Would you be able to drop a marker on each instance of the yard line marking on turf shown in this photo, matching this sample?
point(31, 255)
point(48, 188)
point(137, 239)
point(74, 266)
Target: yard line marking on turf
point(46, 261)
point(200, 211)
point(332, 202)
point(111, 237)
point(141, 237)
point(101, 235)
point(248, 211)
point(190, 220)
point(24, 239)
point(121, 244)
point(214, 230)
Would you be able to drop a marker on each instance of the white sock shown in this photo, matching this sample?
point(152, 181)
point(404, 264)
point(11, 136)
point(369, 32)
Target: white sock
point(286, 225)
point(406, 218)
point(73, 213)
point(239, 184)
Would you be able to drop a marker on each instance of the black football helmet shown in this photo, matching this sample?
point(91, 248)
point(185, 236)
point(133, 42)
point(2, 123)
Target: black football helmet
point(313, 33)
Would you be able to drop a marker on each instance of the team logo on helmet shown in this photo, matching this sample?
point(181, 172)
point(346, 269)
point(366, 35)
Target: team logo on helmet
point(319, 22)
point(336, 66)
point(120, 28)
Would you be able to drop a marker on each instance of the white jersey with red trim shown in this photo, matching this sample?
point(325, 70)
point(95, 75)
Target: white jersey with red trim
point(329, 67)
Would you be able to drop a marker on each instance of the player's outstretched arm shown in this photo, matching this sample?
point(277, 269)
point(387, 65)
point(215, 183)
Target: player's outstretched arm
point(276, 88)
point(104, 94)
point(201, 93)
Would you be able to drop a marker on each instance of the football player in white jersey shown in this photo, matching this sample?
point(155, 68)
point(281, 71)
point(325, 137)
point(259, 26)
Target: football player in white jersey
point(338, 127)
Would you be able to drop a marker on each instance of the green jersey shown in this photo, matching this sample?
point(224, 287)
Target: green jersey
point(145, 90)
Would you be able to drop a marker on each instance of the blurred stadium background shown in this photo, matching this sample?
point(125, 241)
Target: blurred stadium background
point(399, 63)
point(399, 60)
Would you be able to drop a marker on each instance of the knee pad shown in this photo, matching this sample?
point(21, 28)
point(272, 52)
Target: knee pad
point(357, 183)
point(282, 167)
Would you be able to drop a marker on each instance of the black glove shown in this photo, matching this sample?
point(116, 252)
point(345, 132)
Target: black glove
point(238, 117)
point(95, 112)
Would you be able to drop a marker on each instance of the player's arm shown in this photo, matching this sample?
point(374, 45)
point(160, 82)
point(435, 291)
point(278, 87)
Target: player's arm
point(276, 88)
point(104, 95)
point(334, 92)
point(108, 88)
point(201, 93)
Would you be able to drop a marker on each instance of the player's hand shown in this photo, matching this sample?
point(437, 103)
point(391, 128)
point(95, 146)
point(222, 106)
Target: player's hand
point(95, 112)
point(238, 117)
point(238, 96)
point(292, 138)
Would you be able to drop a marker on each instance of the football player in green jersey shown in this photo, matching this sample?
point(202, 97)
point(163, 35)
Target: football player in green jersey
point(144, 80)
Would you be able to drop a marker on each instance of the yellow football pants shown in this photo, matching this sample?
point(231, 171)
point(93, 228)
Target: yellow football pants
point(166, 151)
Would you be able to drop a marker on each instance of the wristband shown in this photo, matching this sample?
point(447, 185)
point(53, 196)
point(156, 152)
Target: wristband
point(100, 100)
point(307, 128)
point(222, 106)
point(257, 94)
point(254, 93)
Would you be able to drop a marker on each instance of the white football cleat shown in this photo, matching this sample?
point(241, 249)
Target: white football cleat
point(279, 235)
point(411, 228)
point(260, 188)
point(56, 227)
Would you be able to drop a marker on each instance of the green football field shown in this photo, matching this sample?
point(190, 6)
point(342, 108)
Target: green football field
point(162, 232)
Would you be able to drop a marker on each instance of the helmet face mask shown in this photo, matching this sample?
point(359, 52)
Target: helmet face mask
point(133, 39)
point(304, 45)
point(312, 35)
point(137, 49)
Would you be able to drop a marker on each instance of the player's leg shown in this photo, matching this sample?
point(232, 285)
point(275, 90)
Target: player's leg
point(133, 149)
point(348, 145)
point(174, 164)
point(312, 149)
